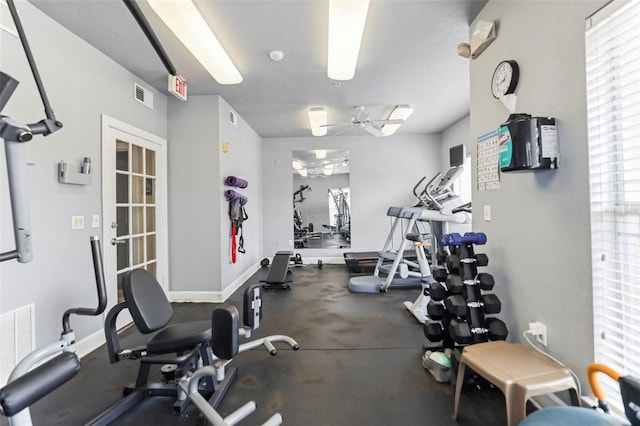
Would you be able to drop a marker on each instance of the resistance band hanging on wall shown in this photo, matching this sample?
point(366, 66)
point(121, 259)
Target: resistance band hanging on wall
point(237, 214)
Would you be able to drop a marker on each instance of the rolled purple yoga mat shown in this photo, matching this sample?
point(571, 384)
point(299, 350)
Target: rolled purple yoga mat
point(230, 194)
point(236, 181)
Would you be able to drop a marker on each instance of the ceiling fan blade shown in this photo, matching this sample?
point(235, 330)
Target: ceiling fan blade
point(394, 121)
point(335, 125)
point(373, 130)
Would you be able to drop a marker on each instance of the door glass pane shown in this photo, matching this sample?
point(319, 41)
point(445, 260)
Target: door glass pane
point(152, 269)
point(137, 189)
point(137, 218)
point(122, 217)
point(137, 160)
point(138, 250)
point(122, 188)
point(150, 191)
point(151, 162)
point(120, 278)
point(151, 219)
point(122, 156)
point(123, 255)
point(151, 248)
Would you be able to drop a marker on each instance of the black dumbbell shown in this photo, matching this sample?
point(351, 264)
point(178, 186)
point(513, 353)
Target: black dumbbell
point(435, 310)
point(460, 332)
point(491, 303)
point(453, 262)
point(456, 305)
point(439, 274)
point(432, 331)
point(441, 256)
point(496, 328)
point(264, 262)
point(454, 283)
point(485, 281)
point(437, 291)
point(481, 259)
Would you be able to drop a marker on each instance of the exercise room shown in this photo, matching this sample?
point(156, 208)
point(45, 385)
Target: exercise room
point(330, 212)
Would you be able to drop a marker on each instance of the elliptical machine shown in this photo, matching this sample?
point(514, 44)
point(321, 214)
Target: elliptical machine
point(446, 207)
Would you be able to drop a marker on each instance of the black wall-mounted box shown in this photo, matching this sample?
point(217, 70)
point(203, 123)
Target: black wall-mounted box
point(528, 143)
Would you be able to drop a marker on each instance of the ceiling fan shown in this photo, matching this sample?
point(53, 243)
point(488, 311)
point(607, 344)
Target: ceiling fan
point(361, 120)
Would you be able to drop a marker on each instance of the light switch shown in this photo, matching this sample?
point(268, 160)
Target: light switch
point(487, 213)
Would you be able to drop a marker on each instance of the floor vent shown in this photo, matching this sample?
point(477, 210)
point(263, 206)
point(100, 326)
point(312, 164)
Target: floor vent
point(142, 95)
point(17, 338)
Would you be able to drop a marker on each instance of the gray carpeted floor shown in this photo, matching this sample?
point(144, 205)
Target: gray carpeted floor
point(359, 364)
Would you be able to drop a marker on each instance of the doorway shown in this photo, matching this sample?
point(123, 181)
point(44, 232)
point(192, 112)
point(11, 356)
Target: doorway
point(134, 205)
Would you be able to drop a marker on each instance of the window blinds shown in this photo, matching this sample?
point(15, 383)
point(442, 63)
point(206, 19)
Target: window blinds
point(612, 42)
point(462, 185)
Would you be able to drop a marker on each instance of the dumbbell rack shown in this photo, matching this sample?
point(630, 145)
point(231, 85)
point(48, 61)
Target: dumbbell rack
point(459, 303)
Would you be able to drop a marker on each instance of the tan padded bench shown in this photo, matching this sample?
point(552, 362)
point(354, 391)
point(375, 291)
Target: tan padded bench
point(520, 372)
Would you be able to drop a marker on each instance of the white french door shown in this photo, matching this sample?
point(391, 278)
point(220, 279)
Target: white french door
point(134, 206)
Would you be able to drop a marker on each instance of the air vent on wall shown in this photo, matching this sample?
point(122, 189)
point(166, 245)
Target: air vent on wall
point(17, 338)
point(142, 95)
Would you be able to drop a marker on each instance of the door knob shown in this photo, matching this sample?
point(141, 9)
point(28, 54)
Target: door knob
point(114, 241)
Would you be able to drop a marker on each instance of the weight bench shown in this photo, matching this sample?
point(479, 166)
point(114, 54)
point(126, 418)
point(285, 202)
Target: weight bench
point(518, 371)
point(277, 277)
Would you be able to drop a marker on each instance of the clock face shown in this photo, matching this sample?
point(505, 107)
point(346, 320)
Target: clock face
point(505, 79)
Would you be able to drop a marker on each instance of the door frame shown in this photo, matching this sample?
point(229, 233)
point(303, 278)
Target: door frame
point(110, 128)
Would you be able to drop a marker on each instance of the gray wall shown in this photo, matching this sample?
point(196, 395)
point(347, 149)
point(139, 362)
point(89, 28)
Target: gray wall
point(199, 227)
point(538, 239)
point(81, 84)
point(383, 172)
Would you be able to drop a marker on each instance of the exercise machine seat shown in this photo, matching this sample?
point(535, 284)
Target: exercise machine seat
point(151, 311)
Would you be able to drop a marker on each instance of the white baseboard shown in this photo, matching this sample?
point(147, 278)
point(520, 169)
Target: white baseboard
point(212, 296)
point(90, 343)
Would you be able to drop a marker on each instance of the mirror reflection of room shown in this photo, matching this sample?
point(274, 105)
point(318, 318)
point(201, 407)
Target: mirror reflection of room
point(321, 199)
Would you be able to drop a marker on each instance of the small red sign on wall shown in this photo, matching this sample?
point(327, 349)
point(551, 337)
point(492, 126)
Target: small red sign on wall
point(178, 87)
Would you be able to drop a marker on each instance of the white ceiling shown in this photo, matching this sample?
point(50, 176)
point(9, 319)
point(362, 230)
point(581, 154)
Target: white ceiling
point(408, 56)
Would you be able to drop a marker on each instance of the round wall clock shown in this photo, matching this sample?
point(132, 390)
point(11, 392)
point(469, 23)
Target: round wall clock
point(505, 79)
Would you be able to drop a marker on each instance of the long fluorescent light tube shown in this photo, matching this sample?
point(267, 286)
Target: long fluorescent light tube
point(318, 121)
point(347, 19)
point(401, 112)
point(184, 20)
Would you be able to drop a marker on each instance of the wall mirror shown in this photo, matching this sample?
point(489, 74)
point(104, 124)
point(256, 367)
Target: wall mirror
point(321, 199)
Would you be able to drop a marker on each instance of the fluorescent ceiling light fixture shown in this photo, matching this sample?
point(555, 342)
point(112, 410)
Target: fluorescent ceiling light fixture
point(346, 26)
point(184, 20)
point(318, 121)
point(401, 112)
point(321, 153)
point(328, 172)
point(303, 172)
point(296, 164)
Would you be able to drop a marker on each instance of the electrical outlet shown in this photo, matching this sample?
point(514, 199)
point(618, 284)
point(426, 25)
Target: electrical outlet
point(95, 221)
point(539, 330)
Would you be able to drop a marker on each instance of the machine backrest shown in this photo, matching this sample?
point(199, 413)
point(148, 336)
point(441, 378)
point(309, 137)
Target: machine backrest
point(146, 301)
point(225, 323)
point(252, 307)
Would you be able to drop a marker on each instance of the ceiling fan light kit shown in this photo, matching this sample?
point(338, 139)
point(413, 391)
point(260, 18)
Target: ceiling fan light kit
point(186, 22)
point(346, 25)
point(400, 112)
point(318, 121)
